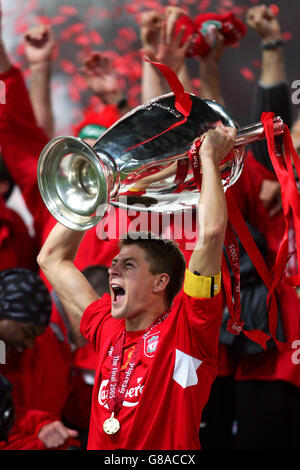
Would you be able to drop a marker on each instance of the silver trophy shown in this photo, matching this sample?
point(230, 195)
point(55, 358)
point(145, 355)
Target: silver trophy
point(134, 164)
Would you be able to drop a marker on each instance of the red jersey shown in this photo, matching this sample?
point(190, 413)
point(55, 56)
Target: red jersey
point(171, 382)
point(16, 245)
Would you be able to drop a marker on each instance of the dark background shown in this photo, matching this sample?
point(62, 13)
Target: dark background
point(112, 26)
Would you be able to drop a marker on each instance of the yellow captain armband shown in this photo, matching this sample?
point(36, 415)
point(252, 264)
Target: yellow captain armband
point(135, 190)
point(201, 286)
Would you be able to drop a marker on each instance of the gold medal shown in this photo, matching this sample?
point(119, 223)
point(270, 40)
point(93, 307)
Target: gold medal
point(111, 425)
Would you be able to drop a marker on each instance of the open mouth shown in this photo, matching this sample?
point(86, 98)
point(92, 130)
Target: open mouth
point(118, 293)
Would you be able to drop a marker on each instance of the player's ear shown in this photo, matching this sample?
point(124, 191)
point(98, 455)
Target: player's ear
point(160, 282)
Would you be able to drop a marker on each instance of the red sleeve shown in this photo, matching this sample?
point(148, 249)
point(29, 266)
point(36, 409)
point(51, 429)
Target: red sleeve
point(16, 94)
point(25, 243)
point(34, 420)
point(24, 434)
point(204, 317)
point(16, 244)
point(21, 140)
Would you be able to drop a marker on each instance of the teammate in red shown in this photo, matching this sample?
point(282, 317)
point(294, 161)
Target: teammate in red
point(156, 358)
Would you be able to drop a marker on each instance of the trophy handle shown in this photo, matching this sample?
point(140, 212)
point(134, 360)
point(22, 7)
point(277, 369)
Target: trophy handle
point(255, 132)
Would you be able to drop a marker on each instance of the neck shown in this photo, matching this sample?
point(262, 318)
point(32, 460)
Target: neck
point(142, 321)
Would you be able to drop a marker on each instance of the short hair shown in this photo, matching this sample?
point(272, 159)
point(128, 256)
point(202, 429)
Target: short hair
point(163, 256)
point(98, 277)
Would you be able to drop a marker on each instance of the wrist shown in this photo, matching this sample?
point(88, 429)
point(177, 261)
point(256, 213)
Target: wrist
point(271, 36)
point(42, 66)
point(272, 44)
point(209, 62)
point(207, 159)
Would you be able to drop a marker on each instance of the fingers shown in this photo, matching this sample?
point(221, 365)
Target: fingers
point(72, 432)
point(170, 28)
point(38, 32)
point(225, 132)
point(55, 434)
point(96, 63)
point(150, 24)
point(185, 46)
point(169, 37)
point(172, 14)
point(162, 28)
point(220, 46)
point(175, 11)
point(178, 38)
point(39, 36)
point(150, 19)
point(95, 58)
point(148, 55)
point(217, 143)
point(257, 14)
point(163, 33)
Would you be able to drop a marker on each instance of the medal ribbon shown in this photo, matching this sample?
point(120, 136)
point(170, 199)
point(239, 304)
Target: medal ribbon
point(116, 392)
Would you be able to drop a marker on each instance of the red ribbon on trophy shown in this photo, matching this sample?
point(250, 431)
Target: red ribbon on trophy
point(284, 170)
point(183, 102)
point(235, 323)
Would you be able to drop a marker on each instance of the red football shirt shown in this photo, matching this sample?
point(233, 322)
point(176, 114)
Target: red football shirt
point(171, 381)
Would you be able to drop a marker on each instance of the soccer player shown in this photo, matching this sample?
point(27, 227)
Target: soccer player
point(156, 343)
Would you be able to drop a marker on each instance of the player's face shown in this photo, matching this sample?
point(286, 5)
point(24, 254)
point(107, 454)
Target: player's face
point(19, 335)
point(131, 283)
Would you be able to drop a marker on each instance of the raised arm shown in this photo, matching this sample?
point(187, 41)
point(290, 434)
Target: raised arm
point(209, 65)
point(56, 261)
point(172, 14)
point(150, 27)
point(161, 44)
point(5, 63)
point(212, 208)
point(21, 139)
point(262, 19)
point(39, 48)
point(272, 93)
